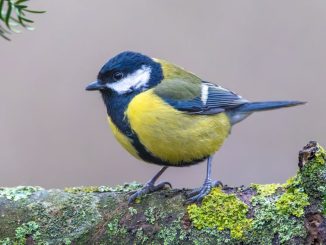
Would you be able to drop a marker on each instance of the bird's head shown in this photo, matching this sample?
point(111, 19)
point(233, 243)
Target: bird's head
point(127, 72)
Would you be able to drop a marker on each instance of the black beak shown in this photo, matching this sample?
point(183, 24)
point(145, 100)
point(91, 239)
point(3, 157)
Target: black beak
point(95, 86)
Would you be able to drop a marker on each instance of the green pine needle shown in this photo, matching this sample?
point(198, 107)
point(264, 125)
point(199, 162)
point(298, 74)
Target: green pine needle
point(13, 14)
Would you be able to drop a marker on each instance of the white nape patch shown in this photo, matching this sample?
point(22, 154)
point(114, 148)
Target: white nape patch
point(135, 80)
point(204, 93)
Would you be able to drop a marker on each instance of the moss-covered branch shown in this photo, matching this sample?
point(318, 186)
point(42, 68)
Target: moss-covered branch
point(290, 213)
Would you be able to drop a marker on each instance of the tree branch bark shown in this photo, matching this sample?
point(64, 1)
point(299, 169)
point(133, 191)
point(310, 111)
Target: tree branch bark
point(290, 213)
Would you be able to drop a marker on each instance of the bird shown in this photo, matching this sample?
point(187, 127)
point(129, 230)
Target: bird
point(164, 115)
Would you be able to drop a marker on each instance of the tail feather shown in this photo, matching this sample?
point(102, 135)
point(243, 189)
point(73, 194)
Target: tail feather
point(267, 105)
point(241, 112)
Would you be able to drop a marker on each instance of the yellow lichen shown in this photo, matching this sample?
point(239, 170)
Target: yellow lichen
point(292, 202)
point(266, 190)
point(222, 211)
point(85, 189)
point(320, 155)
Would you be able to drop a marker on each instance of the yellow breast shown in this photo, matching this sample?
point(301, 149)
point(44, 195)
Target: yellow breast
point(122, 139)
point(172, 135)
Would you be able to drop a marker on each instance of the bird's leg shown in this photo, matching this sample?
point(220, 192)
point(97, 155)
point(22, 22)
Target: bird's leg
point(149, 187)
point(198, 194)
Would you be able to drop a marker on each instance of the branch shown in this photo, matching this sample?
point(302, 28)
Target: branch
point(290, 213)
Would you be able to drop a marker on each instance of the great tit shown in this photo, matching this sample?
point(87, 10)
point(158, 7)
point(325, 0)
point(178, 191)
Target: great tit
point(163, 114)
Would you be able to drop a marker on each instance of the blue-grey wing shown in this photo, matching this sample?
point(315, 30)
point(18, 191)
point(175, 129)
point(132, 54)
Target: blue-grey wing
point(212, 99)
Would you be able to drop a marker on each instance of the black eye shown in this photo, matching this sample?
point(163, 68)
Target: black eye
point(117, 75)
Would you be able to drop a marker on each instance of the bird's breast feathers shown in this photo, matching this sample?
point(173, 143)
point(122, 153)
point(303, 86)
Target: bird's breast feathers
point(172, 135)
point(122, 139)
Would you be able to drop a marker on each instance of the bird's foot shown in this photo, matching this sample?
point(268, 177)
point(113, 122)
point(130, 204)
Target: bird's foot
point(197, 195)
point(148, 188)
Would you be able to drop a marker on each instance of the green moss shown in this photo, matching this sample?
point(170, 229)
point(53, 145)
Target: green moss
point(172, 234)
point(293, 182)
point(212, 236)
point(28, 229)
point(150, 215)
point(19, 192)
point(141, 237)
point(115, 232)
point(292, 202)
point(63, 216)
point(85, 189)
point(320, 156)
point(132, 211)
point(313, 176)
point(67, 241)
point(281, 213)
point(93, 189)
point(6, 241)
point(266, 190)
point(274, 215)
point(168, 235)
point(221, 211)
point(268, 222)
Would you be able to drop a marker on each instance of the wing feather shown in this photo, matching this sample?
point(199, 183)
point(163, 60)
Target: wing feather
point(210, 99)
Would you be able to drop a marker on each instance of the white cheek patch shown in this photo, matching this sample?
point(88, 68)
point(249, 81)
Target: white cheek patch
point(204, 93)
point(135, 80)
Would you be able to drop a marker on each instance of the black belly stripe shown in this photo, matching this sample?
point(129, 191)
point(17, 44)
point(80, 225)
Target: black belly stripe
point(115, 109)
point(148, 157)
point(144, 153)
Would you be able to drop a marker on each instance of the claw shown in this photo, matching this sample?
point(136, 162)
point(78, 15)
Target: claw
point(148, 188)
point(217, 183)
point(164, 184)
point(198, 195)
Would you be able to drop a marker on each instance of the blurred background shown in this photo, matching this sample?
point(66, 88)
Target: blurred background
point(54, 134)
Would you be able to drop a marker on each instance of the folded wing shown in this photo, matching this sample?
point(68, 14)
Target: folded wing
point(198, 97)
